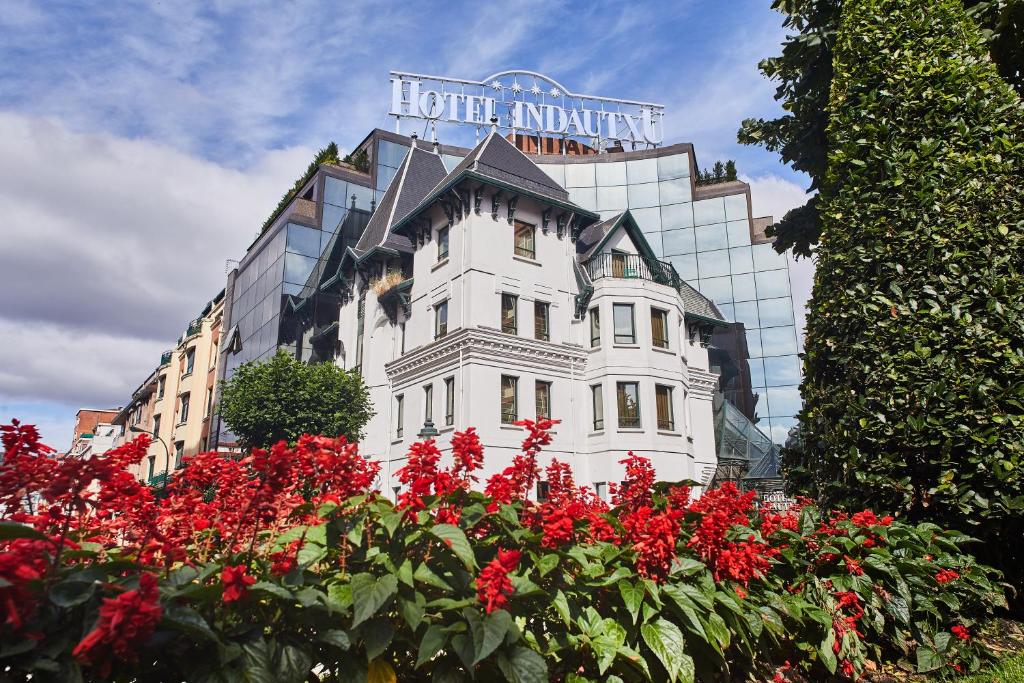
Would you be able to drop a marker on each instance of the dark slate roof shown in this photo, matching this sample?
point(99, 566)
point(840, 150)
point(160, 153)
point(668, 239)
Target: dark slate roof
point(419, 172)
point(592, 236)
point(695, 303)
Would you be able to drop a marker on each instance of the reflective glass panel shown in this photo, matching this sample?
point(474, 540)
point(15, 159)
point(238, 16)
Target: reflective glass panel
point(556, 172)
point(741, 260)
point(391, 154)
point(746, 311)
point(783, 401)
point(335, 191)
point(645, 194)
point(775, 312)
point(584, 196)
point(302, 240)
point(766, 258)
point(649, 220)
point(781, 371)
point(332, 218)
point(728, 312)
point(642, 170)
point(674, 166)
point(736, 207)
point(450, 161)
point(677, 216)
point(675, 191)
point(739, 233)
point(611, 198)
point(298, 268)
point(714, 264)
point(611, 173)
point(779, 341)
point(711, 237)
point(756, 372)
point(743, 289)
point(364, 196)
point(772, 284)
point(384, 176)
point(718, 289)
point(685, 265)
point(679, 241)
point(754, 343)
point(779, 428)
point(708, 211)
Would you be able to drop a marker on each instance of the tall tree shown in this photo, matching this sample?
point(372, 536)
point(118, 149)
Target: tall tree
point(914, 368)
point(804, 73)
point(283, 398)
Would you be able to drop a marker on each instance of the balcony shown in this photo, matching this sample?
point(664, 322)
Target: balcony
point(157, 480)
point(632, 267)
point(165, 358)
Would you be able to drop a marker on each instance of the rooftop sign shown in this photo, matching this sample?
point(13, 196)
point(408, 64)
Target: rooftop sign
point(525, 102)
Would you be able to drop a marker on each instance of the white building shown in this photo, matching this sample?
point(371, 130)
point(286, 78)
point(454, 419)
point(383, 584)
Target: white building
point(484, 295)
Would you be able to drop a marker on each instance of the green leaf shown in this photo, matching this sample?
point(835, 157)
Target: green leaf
point(369, 594)
point(454, 538)
point(667, 643)
point(488, 632)
point(377, 634)
point(71, 593)
point(412, 612)
point(339, 596)
point(293, 664)
point(632, 596)
point(12, 530)
point(335, 637)
point(272, 589)
point(424, 574)
point(187, 620)
point(430, 644)
point(523, 665)
point(928, 660)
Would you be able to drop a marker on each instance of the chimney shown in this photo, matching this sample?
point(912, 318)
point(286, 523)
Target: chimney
point(437, 148)
point(494, 124)
point(414, 136)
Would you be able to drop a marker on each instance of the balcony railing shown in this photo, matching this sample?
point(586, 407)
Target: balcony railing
point(165, 358)
point(632, 267)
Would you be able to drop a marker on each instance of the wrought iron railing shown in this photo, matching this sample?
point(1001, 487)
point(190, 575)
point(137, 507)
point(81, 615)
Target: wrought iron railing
point(632, 267)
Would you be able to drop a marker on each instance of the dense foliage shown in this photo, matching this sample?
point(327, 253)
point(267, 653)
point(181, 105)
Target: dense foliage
point(284, 566)
point(914, 367)
point(283, 398)
point(804, 72)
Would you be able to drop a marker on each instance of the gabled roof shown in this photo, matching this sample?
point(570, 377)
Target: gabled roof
point(697, 305)
point(418, 173)
point(497, 161)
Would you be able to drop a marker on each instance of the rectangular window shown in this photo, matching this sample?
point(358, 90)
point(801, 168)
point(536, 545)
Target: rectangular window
point(618, 264)
point(156, 426)
point(541, 321)
point(601, 489)
point(659, 328)
point(442, 243)
point(542, 393)
point(179, 453)
point(508, 313)
point(161, 386)
point(399, 415)
point(190, 360)
point(595, 327)
point(525, 240)
point(152, 465)
point(209, 401)
point(622, 319)
point(663, 402)
point(360, 326)
point(509, 399)
point(401, 333)
point(543, 491)
point(185, 398)
point(449, 401)
point(428, 403)
point(597, 403)
point(628, 397)
point(440, 320)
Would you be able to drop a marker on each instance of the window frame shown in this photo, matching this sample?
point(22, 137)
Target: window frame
point(661, 313)
point(514, 327)
point(523, 252)
point(179, 454)
point(513, 417)
point(597, 406)
point(360, 331)
point(449, 401)
point(428, 402)
point(438, 307)
point(632, 324)
point(538, 386)
point(190, 360)
point(185, 402)
point(544, 309)
point(667, 424)
point(443, 235)
point(626, 421)
point(161, 386)
point(209, 402)
point(399, 416)
point(156, 425)
point(595, 326)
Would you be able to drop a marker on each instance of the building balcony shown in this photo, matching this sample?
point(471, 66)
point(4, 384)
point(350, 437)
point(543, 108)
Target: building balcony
point(165, 358)
point(632, 267)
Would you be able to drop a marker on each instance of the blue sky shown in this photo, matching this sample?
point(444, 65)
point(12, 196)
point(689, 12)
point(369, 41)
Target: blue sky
point(141, 144)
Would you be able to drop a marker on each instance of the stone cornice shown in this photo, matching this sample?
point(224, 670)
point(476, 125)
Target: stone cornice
point(702, 383)
point(477, 343)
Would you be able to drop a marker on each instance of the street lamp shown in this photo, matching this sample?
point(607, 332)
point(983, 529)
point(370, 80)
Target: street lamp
point(167, 451)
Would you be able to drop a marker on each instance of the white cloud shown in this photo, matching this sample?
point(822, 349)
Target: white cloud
point(110, 247)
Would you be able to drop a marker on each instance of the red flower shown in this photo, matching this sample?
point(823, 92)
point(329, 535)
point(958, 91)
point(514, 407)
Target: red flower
point(960, 632)
point(780, 673)
point(236, 582)
point(125, 622)
point(286, 560)
point(848, 669)
point(493, 585)
point(853, 566)
point(945, 576)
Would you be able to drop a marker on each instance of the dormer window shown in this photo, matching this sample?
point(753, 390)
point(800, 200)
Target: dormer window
point(525, 240)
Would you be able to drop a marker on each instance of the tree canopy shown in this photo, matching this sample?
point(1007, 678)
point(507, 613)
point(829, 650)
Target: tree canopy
point(914, 367)
point(283, 398)
point(804, 73)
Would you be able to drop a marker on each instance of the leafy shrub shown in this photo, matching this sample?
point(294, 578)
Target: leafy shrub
point(284, 566)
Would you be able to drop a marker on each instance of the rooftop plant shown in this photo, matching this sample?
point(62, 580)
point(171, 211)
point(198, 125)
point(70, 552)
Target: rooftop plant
point(327, 155)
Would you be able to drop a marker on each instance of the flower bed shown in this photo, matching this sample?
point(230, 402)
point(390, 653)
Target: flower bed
point(285, 566)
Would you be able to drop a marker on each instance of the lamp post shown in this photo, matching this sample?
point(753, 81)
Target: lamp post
point(167, 451)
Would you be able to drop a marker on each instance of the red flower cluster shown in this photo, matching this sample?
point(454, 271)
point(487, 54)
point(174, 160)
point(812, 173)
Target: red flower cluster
point(236, 582)
point(423, 477)
point(843, 623)
point(493, 585)
point(721, 509)
point(945, 576)
point(960, 632)
point(22, 560)
point(514, 483)
point(125, 622)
